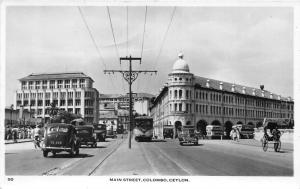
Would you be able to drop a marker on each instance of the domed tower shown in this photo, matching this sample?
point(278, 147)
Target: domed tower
point(181, 94)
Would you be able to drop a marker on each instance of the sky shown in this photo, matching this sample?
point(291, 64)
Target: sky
point(244, 45)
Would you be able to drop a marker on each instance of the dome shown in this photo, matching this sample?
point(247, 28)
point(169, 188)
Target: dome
point(180, 66)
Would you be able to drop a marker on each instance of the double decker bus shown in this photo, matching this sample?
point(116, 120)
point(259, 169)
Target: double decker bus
point(143, 130)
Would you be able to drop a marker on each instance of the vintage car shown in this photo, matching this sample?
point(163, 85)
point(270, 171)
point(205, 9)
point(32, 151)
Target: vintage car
point(187, 135)
point(100, 131)
point(86, 135)
point(60, 137)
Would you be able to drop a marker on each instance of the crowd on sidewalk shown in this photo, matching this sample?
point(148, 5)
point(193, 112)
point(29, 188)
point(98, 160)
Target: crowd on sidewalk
point(18, 133)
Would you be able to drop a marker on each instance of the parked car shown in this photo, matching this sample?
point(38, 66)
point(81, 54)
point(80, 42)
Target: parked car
point(60, 137)
point(86, 135)
point(187, 135)
point(100, 130)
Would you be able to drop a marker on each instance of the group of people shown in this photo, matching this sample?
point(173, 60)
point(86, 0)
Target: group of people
point(22, 133)
point(18, 133)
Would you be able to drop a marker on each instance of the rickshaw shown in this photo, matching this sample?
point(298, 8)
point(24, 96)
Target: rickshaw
point(271, 135)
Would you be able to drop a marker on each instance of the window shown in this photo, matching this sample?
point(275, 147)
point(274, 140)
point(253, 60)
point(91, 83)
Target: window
point(59, 84)
point(67, 84)
point(187, 94)
point(62, 102)
point(77, 102)
point(70, 102)
point(175, 94)
point(52, 84)
point(70, 94)
point(39, 112)
point(47, 95)
point(24, 86)
point(77, 110)
point(77, 94)
point(180, 93)
point(74, 83)
point(63, 95)
point(44, 84)
point(175, 106)
point(180, 107)
point(55, 95)
point(40, 103)
point(37, 85)
point(47, 103)
point(81, 83)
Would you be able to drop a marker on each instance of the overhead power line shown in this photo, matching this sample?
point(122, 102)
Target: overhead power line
point(145, 20)
point(91, 36)
point(116, 47)
point(94, 42)
point(165, 36)
point(113, 33)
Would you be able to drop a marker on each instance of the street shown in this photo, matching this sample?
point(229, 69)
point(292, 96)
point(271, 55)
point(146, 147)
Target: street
point(159, 157)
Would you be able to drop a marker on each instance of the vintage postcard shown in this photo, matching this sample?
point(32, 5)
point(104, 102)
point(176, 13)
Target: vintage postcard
point(149, 94)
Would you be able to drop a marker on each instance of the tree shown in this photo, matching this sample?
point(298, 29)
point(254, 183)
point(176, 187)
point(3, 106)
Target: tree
point(64, 116)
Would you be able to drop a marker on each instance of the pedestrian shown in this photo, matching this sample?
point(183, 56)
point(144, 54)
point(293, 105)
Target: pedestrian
point(14, 134)
point(9, 133)
point(233, 134)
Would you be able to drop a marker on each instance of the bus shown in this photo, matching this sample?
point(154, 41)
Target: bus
point(143, 130)
point(245, 131)
point(214, 131)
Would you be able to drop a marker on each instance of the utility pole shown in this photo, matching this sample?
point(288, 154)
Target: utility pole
point(130, 76)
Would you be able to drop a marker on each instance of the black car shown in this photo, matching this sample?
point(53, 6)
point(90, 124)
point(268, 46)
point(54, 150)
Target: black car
point(60, 137)
point(86, 135)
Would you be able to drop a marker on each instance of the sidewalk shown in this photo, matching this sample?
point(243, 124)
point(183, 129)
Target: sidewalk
point(18, 141)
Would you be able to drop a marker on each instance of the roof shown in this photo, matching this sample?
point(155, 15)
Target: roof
point(110, 96)
point(64, 75)
point(226, 86)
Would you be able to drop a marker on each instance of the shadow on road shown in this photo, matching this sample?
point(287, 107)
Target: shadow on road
point(192, 145)
point(69, 156)
point(92, 147)
point(154, 140)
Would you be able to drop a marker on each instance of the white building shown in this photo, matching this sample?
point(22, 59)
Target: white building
point(187, 99)
point(72, 92)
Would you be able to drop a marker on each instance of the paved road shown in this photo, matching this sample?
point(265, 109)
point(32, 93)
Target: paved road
point(211, 157)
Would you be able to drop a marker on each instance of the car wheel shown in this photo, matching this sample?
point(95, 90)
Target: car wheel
point(54, 154)
point(45, 153)
point(180, 143)
point(95, 145)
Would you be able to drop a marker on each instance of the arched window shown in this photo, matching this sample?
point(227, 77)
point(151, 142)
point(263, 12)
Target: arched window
point(175, 95)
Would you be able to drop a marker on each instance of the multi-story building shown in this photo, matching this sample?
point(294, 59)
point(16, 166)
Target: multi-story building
point(72, 92)
point(187, 99)
point(141, 102)
point(15, 118)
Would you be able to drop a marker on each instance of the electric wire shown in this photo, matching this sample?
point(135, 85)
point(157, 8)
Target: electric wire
point(113, 33)
point(144, 31)
point(165, 36)
point(116, 47)
point(127, 29)
point(94, 41)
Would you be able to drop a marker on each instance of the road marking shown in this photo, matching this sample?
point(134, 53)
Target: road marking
point(153, 167)
point(174, 161)
point(106, 157)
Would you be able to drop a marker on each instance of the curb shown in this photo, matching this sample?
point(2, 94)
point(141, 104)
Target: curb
point(18, 142)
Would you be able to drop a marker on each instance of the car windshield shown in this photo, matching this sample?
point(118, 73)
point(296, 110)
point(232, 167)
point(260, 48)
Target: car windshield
point(58, 129)
point(82, 131)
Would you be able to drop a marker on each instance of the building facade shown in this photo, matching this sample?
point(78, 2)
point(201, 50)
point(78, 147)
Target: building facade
point(141, 102)
point(187, 99)
point(16, 118)
point(72, 92)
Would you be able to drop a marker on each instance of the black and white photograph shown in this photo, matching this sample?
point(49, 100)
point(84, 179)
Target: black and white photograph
point(153, 92)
